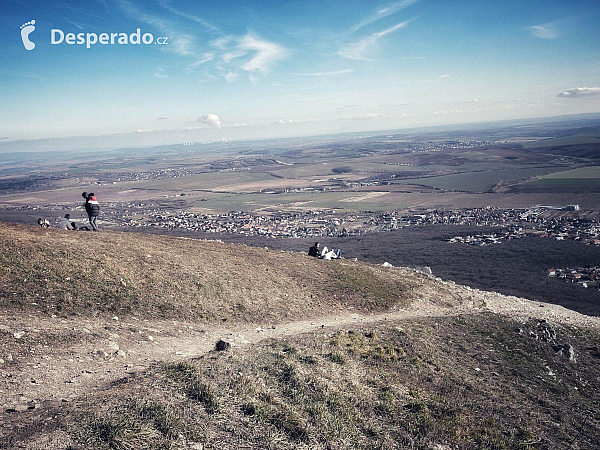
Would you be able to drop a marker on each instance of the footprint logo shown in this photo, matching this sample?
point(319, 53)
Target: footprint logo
point(26, 30)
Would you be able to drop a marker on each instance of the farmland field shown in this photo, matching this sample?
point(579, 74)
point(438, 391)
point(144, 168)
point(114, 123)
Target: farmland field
point(578, 139)
point(482, 181)
point(581, 180)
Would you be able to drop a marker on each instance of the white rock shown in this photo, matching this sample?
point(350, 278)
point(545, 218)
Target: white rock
point(113, 346)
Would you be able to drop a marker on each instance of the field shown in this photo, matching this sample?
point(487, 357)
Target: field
point(499, 163)
point(581, 180)
point(576, 139)
point(482, 181)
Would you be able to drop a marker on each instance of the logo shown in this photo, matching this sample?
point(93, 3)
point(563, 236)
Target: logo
point(26, 30)
point(89, 39)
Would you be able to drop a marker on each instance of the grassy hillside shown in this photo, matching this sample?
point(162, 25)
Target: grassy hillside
point(468, 382)
point(66, 273)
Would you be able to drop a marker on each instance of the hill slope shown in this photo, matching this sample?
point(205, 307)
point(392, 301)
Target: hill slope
point(361, 356)
point(57, 272)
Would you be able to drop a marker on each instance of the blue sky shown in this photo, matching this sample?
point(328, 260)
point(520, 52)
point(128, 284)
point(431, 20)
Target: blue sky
point(269, 69)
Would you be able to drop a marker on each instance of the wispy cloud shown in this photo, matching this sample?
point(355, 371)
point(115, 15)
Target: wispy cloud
point(265, 53)
point(348, 106)
point(580, 92)
point(294, 121)
point(445, 75)
point(230, 77)
point(160, 73)
point(445, 113)
point(167, 5)
point(359, 50)
point(180, 42)
point(384, 12)
point(162, 118)
point(325, 74)
point(232, 54)
point(205, 58)
point(544, 31)
point(370, 116)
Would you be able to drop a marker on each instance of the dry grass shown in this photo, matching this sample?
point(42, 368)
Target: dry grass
point(395, 385)
point(58, 272)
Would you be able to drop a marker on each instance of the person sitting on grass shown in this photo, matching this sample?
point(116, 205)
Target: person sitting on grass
point(65, 223)
point(43, 223)
point(330, 253)
point(324, 253)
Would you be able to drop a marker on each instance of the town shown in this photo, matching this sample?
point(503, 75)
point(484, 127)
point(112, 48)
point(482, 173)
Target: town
point(587, 277)
point(542, 221)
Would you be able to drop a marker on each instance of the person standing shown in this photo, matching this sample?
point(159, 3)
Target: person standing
point(92, 208)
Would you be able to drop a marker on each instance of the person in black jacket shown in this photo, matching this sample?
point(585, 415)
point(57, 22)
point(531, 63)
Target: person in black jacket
point(315, 251)
point(92, 208)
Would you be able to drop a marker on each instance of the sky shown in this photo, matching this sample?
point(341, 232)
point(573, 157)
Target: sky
point(264, 69)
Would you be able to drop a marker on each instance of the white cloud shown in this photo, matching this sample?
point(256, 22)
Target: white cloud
point(445, 75)
point(348, 106)
point(212, 120)
point(180, 42)
point(380, 116)
point(384, 12)
point(266, 53)
point(359, 50)
point(580, 92)
point(325, 74)
point(545, 31)
point(444, 113)
point(221, 42)
point(160, 73)
point(167, 5)
point(206, 58)
point(234, 54)
point(294, 121)
point(230, 77)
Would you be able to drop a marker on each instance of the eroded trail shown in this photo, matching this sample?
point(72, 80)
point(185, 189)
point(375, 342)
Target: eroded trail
point(53, 360)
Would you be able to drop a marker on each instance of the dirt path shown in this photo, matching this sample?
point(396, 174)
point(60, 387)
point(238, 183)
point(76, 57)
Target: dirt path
point(52, 360)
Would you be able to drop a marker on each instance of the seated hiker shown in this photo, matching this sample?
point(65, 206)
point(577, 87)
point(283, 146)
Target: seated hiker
point(330, 253)
point(65, 222)
point(43, 223)
point(315, 251)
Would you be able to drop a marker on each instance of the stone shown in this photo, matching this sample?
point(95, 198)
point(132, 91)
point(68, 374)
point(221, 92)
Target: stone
point(113, 346)
point(565, 350)
point(547, 331)
point(222, 345)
